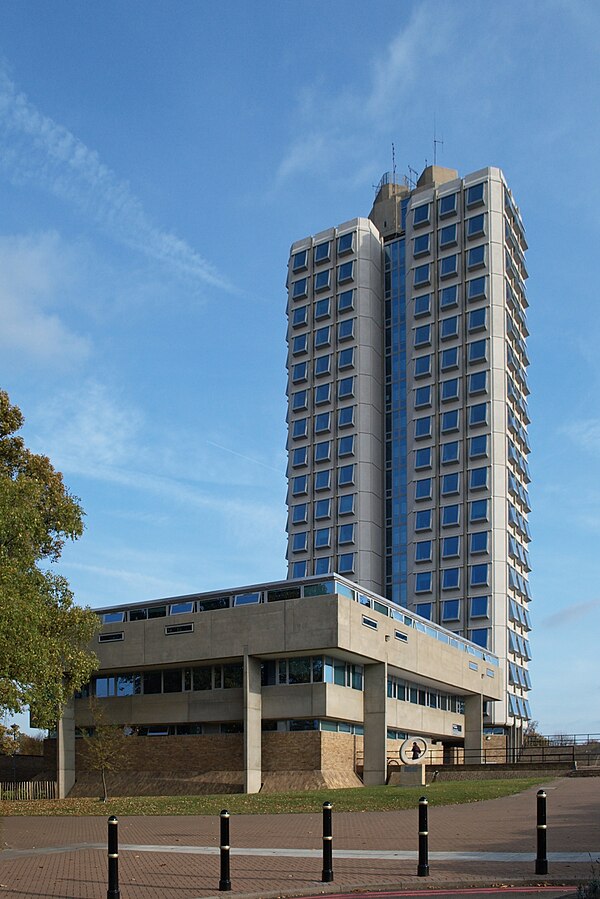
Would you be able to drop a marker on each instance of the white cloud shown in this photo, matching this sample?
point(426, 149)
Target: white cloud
point(34, 149)
point(568, 615)
point(585, 433)
point(35, 270)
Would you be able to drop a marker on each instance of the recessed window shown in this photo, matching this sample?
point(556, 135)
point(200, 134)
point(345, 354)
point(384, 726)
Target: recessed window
point(422, 366)
point(299, 513)
point(479, 542)
point(300, 372)
point(421, 214)
point(322, 366)
point(421, 244)
point(322, 422)
point(299, 428)
point(450, 390)
point(422, 335)
point(299, 569)
point(300, 288)
point(346, 417)
point(345, 243)
point(478, 415)
point(300, 344)
point(478, 478)
point(475, 195)
point(346, 533)
point(476, 288)
point(477, 351)
point(449, 297)
point(450, 483)
point(475, 225)
point(449, 327)
point(450, 452)
point(479, 606)
point(346, 329)
point(450, 578)
point(423, 520)
point(423, 581)
point(423, 427)
point(478, 446)
point(323, 308)
point(345, 300)
point(450, 421)
point(423, 489)
point(299, 316)
point(345, 272)
point(322, 538)
point(322, 281)
point(451, 609)
point(322, 394)
point(345, 388)
point(323, 565)
point(480, 636)
point(346, 445)
point(323, 480)
point(423, 457)
point(447, 205)
point(422, 305)
point(423, 396)
point(479, 510)
point(346, 504)
point(300, 485)
point(300, 456)
point(323, 451)
point(345, 563)
point(322, 253)
point(345, 475)
point(449, 266)
point(451, 547)
point(300, 260)
point(449, 358)
point(300, 542)
point(477, 319)
point(478, 382)
point(476, 257)
point(479, 575)
point(447, 236)
point(323, 336)
point(322, 509)
point(421, 275)
point(299, 400)
point(450, 515)
point(424, 610)
point(423, 551)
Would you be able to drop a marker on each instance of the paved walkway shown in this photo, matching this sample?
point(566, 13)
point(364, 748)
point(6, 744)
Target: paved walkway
point(486, 843)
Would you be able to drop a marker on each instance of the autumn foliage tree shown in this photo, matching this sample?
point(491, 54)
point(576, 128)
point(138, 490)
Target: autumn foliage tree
point(43, 634)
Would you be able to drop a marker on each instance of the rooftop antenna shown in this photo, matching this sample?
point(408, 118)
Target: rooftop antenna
point(413, 179)
point(393, 163)
point(436, 141)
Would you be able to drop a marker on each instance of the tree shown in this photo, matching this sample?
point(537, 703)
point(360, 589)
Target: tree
point(43, 634)
point(105, 746)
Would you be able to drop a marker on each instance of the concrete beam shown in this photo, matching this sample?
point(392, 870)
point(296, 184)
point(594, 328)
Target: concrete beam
point(375, 723)
point(474, 729)
point(65, 751)
point(252, 725)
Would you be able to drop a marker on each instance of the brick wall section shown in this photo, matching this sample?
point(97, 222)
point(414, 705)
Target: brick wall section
point(25, 768)
point(177, 755)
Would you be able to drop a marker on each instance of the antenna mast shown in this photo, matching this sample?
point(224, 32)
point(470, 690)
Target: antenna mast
point(435, 143)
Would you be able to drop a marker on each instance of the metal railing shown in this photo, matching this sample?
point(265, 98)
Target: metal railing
point(28, 790)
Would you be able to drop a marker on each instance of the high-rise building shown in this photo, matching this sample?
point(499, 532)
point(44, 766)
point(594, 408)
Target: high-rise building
point(407, 411)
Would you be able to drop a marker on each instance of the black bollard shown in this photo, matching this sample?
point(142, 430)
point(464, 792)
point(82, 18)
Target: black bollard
point(113, 891)
point(541, 861)
point(327, 875)
point(423, 866)
point(225, 880)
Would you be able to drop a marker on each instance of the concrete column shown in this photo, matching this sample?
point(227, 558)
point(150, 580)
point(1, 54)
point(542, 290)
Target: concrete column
point(65, 751)
point(375, 722)
point(474, 729)
point(252, 725)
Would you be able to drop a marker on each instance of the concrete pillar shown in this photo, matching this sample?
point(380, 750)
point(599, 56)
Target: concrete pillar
point(252, 725)
point(65, 751)
point(474, 729)
point(375, 722)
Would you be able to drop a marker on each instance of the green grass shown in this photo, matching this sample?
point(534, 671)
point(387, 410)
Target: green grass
point(367, 799)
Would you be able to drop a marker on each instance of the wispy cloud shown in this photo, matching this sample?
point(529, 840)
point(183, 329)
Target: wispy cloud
point(35, 150)
point(35, 270)
point(585, 433)
point(570, 614)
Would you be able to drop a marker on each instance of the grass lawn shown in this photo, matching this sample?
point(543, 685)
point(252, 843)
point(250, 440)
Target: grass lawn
point(367, 799)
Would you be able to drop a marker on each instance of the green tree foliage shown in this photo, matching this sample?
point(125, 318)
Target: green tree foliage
point(43, 634)
point(105, 747)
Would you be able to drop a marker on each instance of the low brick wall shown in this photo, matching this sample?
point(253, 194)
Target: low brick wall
point(494, 772)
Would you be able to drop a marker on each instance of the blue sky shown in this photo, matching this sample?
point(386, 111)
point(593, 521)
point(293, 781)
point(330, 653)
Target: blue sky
point(156, 161)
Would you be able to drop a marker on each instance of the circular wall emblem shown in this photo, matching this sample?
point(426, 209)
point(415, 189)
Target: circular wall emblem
point(414, 751)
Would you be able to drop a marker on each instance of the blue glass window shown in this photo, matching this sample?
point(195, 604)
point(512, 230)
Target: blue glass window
point(322, 509)
point(346, 329)
point(449, 327)
point(299, 428)
point(323, 565)
point(423, 581)
point(423, 489)
point(479, 575)
point(345, 243)
point(346, 533)
point(449, 358)
point(450, 578)
point(421, 275)
point(424, 610)
point(346, 301)
point(422, 366)
point(478, 446)
point(478, 382)
point(475, 195)
point(477, 319)
point(475, 225)
point(478, 542)
point(479, 510)
point(450, 483)
point(447, 205)
point(322, 394)
point(322, 252)
point(322, 538)
point(423, 520)
point(299, 400)
point(449, 297)
point(300, 344)
point(476, 257)
point(300, 542)
point(345, 475)
point(423, 457)
point(300, 485)
point(423, 427)
point(448, 235)
point(451, 547)
point(323, 307)
point(323, 336)
point(422, 335)
point(345, 272)
point(478, 415)
point(300, 288)
point(448, 266)
point(476, 288)
point(450, 390)
point(423, 305)
point(478, 351)
point(323, 451)
point(450, 421)
point(346, 417)
point(346, 445)
point(300, 372)
point(423, 551)
point(299, 513)
point(451, 608)
point(450, 452)
point(450, 515)
point(421, 214)
point(300, 456)
point(299, 569)
point(346, 504)
point(423, 396)
point(322, 366)
point(345, 387)
point(322, 280)
point(322, 422)
point(299, 316)
point(421, 244)
point(478, 478)
point(345, 563)
point(480, 636)
point(323, 480)
point(300, 260)
point(479, 606)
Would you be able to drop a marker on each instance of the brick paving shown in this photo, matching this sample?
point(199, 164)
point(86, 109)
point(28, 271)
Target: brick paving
point(66, 857)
